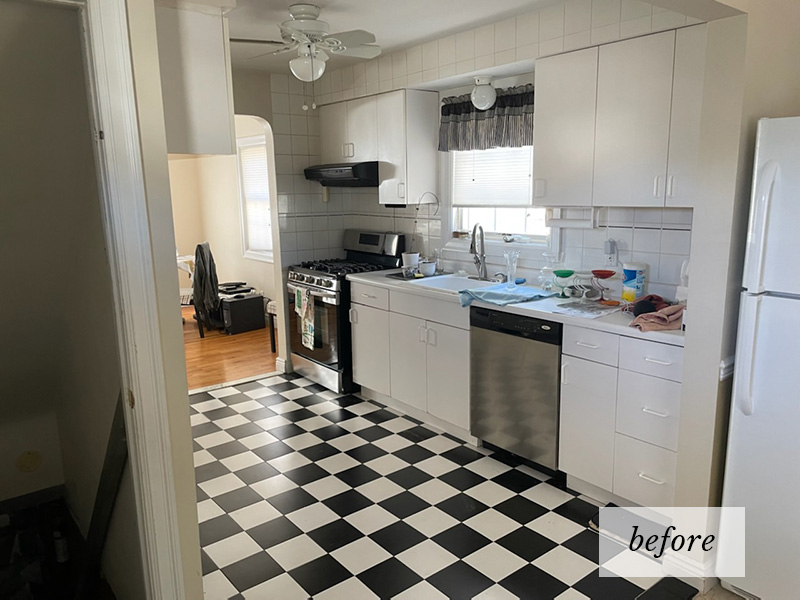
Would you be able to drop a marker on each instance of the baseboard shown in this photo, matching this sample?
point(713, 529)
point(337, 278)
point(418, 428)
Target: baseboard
point(33, 499)
point(696, 574)
point(225, 384)
point(596, 493)
point(280, 365)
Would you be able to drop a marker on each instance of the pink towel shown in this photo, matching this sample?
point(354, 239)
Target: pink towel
point(664, 319)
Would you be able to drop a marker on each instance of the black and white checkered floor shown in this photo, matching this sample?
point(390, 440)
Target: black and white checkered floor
point(303, 493)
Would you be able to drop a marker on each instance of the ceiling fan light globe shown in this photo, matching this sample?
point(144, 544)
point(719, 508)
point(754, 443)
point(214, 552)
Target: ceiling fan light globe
point(483, 96)
point(306, 69)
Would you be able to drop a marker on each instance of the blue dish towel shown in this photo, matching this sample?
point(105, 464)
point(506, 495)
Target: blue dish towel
point(501, 294)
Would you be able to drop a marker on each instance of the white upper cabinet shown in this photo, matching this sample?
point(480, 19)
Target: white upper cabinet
point(566, 96)
point(194, 59)
point(333, 133)
point(687, 104)
point(408, 137)
point(349, 131)
point(634, 97)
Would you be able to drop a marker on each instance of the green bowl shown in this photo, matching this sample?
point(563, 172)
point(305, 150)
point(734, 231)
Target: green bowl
point(563, 273)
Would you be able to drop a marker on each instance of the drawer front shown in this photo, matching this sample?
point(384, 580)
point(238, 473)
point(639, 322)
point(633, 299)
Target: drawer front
point(430, 309)
point(648, 409)
point(369, 295)
point(644, 473)
point(590, 344)
point(651, 358)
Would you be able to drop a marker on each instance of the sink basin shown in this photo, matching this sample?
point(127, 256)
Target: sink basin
point(450, 283)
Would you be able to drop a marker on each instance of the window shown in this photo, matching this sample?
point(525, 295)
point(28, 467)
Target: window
point(254, 198)
point(493, 188)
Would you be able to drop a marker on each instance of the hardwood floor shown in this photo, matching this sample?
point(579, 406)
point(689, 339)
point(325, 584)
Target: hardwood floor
point(219, 358)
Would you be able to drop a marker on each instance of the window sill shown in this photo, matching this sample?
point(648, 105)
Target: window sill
point(266, 257)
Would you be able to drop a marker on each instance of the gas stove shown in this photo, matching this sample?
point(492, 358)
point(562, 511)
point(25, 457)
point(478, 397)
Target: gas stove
point(330, 273)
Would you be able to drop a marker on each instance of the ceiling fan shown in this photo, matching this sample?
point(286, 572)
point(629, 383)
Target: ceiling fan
point(311, 39)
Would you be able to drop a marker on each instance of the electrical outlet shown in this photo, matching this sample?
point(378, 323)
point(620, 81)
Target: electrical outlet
point(611, 260)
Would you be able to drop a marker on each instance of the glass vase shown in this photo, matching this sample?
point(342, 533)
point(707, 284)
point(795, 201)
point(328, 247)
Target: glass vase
point(512, 256)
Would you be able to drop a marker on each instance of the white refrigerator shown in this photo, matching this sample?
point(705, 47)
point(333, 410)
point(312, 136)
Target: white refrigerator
point(762, 471)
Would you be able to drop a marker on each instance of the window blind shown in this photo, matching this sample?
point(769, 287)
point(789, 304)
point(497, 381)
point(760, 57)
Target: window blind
point(255, 197)
point(495, 177)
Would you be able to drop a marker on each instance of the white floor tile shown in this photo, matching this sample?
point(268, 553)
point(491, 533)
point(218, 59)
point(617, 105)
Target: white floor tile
point(571, 594)
point(347, 442)
point(247, 406)
point(371, 519)
point(272, 380)
point(546, 495)
point(203, 457)
point(282, 587)
point(259, 393)
point(313, 516)
point(349, 589)
point(217, 587)
point(393, 443)
point(434, 491)
point(360, 555)
point(314, 423)
point(421, 591)
point(325, 488)
point(232, 421)
point(564, 564)
point(431, 521)
point(208, 509)
point(290, 461)
point(302, 382)
point(495, 562)
point(426, 558)
point(241, 461)
point(198, 419)
point(285, 407)
point(223, 392)
point(328, 395)
point(380, 489)
point(258, 440)
point(488, 467)
point(555, 527)
point(304, 440)
point(439, 444)
point(272, 422)
point(232, 549)
point(398, 425)
point(295, 552)
point(363, 408)
point(386, 464)
point(221, 485)
point(295, 394)
point(338, 463)
point(322, 408)
point(214, 439)
point(496, 592)
point(492, 524)
point(273, 486)
point(209, 405)
point(255, 514)
point(436, 465)
point(356, 424)
point(490, 493)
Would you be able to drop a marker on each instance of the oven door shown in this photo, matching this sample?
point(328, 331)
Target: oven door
point(326, 327)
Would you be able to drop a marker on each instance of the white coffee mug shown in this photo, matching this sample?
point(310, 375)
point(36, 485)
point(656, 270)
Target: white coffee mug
point(410, 259)
point(427, 268)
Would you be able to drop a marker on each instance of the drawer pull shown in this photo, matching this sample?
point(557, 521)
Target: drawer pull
point(587, 345)
point(370, 296)
point(663, 363)
point(650, 479)
point(655, 413)
point(423, 333)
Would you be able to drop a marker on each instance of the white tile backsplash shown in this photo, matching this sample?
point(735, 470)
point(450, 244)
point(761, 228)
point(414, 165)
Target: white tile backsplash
point(577, 16)
point(551, 23)
point(447, 51)
point(505, 35)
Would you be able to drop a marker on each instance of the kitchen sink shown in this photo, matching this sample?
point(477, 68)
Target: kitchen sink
point(450, 283)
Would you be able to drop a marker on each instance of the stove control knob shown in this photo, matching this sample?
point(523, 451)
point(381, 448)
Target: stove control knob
point(326, 283)
point(302, 278)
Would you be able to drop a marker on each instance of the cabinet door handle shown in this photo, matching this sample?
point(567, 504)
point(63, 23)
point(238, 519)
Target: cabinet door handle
point(353, 316)
point(422, 336)
point(428, 337)
point(656, 185)
point(587, 345)
point(671, 186)
point(370, 296)
point(344, 150)
point(655, 413)
point(651, 480)
point(655, 361)
point(564, 374)
point(352, 149)
point(401, 190)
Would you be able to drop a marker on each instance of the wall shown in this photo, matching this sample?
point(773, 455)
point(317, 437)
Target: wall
point(186, 210)
point(251, 94)
point(61, 376)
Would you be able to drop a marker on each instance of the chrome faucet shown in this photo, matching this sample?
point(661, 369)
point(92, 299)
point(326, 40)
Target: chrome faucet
point(479, 256)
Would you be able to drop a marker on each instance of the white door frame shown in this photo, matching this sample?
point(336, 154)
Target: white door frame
point(124, 203)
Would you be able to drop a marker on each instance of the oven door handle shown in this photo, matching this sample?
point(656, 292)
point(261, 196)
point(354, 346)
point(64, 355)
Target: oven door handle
point(327, 297)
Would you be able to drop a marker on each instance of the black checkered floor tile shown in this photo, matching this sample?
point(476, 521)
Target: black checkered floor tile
point(305, 493)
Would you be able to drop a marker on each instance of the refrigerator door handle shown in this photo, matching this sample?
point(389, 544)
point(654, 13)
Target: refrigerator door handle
point(757, 236)
point(746, 354)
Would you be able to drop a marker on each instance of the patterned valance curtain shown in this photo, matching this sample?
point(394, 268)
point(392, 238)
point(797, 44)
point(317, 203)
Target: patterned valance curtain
point(508, 124)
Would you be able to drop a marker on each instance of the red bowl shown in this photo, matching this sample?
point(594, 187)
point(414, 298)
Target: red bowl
point(603, 273)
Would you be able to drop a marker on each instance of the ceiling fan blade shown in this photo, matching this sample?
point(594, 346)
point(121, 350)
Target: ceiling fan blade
point(364, 51)
point(288, 33)
point(246, 41)
point(356, 37)
point(274, 52)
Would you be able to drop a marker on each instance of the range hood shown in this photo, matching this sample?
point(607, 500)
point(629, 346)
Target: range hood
point(362, 174)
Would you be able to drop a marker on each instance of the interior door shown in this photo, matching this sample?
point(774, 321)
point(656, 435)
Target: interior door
point(448, 373)
point(408, 370)
point(634, 97)
point(333, 133)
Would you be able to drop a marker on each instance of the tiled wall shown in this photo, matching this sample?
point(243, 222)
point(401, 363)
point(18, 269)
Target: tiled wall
point(568, 26)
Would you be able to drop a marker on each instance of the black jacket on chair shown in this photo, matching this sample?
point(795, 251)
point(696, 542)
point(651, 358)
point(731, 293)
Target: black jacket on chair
point(205, 289)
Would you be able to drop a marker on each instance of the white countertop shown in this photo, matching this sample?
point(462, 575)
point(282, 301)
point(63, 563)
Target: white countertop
point(618, 322)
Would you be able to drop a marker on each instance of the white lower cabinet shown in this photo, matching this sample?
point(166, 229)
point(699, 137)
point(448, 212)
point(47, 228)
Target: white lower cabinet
point(370, 335)
point(448, 373)
point(619, 426)
point(586, 435)
point(408, 360)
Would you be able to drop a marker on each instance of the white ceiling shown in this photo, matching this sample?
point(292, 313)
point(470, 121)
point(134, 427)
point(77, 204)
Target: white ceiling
point(397, 24)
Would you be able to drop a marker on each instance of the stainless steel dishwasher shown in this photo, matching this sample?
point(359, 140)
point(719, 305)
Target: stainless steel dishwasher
point(514, 383)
